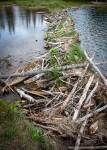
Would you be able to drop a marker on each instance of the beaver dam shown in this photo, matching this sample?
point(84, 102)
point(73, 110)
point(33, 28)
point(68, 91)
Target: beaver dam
point(59, 91)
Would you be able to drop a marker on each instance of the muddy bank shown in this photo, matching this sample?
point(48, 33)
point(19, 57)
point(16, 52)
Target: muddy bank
point(59, 90)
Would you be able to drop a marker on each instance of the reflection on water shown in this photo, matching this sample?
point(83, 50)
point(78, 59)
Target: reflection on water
point(22, 33)
point(91, 24)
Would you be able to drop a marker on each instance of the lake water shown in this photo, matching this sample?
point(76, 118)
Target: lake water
point(22, 32)
point(91, 24)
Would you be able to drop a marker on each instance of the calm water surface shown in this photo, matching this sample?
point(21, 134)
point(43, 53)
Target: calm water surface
point(22, 33)
point(91, 24)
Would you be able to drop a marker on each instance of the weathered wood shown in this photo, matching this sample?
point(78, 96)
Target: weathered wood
point(6, 85)
point(69, 96)
point(91, 93)
point(48, 128)
point(83, 97)
point(96, 68)
point(37, 93)
point(36, 77)
point(91, 114)
point(57, 43)
point(26, 96)
point(34, 72)
point(14, 82)
point(88, 100)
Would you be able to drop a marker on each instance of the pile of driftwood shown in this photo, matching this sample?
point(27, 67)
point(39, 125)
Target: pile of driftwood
point(73, 104)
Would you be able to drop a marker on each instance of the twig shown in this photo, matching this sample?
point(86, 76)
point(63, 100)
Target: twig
point(6, 85)
point(91, 114)
point(89, 147)
point(35, 93)
point(54, 93)
point(43, 56)
point(69, 96)
point(14, 82)
point(43, 63)
point(101, 63)
point(47, 127)
point(91, 94)
point(51, 100)
point(57, 60)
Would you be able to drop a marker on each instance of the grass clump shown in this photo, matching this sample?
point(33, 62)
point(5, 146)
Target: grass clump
point(17, 130)
point(76, 54)
point(36, 135)
point(63, 33)
point(49, 37)
point(53, 51)
point(53, 61)
point(55, 75)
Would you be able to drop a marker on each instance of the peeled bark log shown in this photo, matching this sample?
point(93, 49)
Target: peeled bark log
point(34, 72)
point(26, 96)
point(98, 71)
point(36, 77)
point(83, 97)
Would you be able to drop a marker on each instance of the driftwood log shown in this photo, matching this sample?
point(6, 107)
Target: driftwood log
point(34, 72)
point(96, 68)
point(26, 96)
point(83, 97)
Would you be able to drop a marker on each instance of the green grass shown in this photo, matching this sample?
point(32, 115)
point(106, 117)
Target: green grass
point(51, 5)
point(49, 37)
point(76, 54)
point(17, 130)
point(53, 61)
point(63, 33)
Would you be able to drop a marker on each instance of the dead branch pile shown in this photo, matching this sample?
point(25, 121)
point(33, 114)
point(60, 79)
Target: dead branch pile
point(60, 97)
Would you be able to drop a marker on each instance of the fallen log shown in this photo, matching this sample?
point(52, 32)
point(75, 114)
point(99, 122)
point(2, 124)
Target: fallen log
point(26, 96)
point(34, 72)
point(36, 77)
point(82, 98)
point(96, 68)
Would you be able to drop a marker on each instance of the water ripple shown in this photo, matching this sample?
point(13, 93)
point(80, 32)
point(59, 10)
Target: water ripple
point(91, 24)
